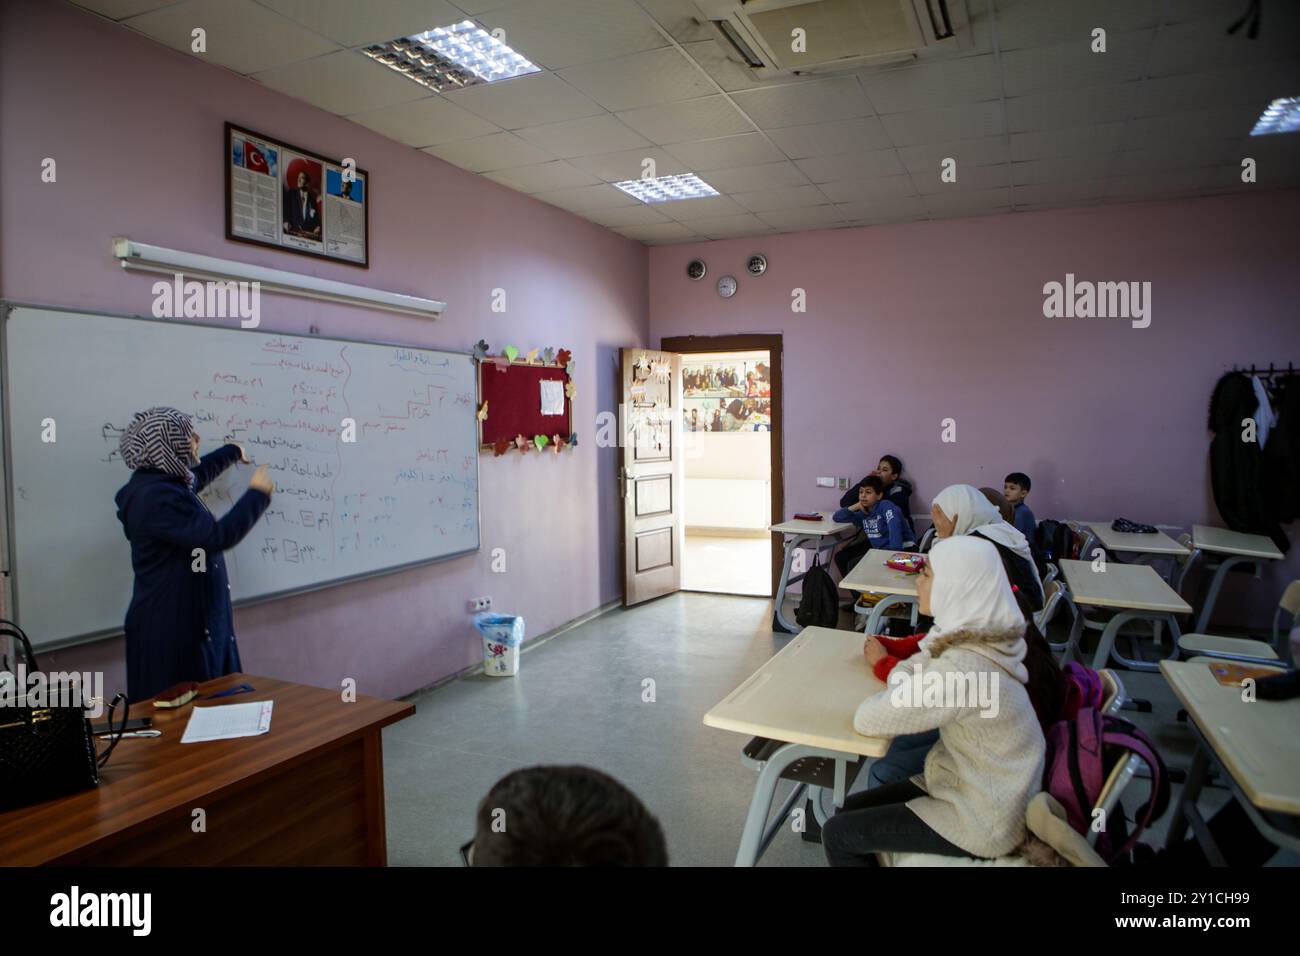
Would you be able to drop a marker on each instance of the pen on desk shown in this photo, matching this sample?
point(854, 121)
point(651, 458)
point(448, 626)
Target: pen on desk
point(136, 733)
point(237, 689)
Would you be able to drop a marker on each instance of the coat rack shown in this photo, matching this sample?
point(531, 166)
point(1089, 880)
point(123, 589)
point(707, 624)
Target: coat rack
point(1289, 370)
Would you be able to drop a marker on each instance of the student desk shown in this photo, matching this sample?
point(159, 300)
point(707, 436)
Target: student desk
point(310, 792)
point(871, 574)
point(1235, 548)
point(1135, 591)
point(822, 535)
point(804, 698)
point(1255, 745)
point(1145, 547)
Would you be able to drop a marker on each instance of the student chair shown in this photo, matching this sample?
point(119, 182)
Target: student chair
point(1054, 596)
point(1249, 650)
point(927, 539)
point(1084, 540)
point(1053, 572)
point(1184, 564)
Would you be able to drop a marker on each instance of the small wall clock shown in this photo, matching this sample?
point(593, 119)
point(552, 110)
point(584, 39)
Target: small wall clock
point(695, 269)
point(756, 265)
point(727, 286)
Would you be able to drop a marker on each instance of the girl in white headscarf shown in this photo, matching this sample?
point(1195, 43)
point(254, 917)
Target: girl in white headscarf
point(967, 680)
point(963, 509)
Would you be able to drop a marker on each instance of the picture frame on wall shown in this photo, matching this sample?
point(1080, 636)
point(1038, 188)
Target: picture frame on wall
point(289, 198)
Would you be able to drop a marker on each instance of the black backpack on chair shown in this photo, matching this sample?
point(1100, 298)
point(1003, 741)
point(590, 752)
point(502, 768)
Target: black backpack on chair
point(819, 604)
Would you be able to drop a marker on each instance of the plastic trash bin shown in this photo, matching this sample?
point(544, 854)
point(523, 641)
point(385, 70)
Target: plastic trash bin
point(502, 636)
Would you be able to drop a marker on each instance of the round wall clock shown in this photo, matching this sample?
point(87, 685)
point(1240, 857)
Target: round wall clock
point(757, 265)
point(727, 286)
point(696, 269)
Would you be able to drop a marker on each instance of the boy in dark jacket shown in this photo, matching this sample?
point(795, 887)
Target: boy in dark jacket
point(1015, 488)
point(897, 490)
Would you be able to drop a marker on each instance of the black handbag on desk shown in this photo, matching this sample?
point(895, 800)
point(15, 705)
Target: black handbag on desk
point(46, 745)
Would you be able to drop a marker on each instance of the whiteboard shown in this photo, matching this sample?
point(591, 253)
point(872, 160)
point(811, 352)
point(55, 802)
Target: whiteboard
point(404, 492)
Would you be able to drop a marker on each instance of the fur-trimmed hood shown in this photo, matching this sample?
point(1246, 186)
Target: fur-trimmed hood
point(1005, 648)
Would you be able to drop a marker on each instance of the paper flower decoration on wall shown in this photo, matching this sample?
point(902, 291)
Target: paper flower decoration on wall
point(502, 446)
point(482, 412)
point(549, 355)
point(522, 443)
point(501, 362)
point(480, 350)
point(570, 389)
point(562, 357)
point(541, 441)
point(510, 352)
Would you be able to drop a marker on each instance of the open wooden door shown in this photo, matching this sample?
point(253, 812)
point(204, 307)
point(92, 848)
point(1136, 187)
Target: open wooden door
point(650, 477)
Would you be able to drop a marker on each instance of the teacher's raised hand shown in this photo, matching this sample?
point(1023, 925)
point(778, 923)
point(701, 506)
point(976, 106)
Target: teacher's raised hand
point(261, 481)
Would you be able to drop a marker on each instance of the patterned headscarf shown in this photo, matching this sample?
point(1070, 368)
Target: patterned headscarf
point(159, 437)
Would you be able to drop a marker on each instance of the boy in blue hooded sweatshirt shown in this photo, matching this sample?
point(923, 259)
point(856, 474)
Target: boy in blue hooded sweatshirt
point(880, 519)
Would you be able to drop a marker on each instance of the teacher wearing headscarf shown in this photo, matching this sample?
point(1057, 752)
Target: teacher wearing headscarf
point(179, 626)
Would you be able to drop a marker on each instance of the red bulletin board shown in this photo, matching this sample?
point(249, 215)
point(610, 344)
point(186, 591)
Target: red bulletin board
point(514, 398)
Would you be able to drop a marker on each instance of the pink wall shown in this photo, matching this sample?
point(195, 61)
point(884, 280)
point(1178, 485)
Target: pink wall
point(136, 130)
point(911, 324)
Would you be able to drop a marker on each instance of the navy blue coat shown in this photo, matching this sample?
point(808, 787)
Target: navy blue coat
point(179, 626)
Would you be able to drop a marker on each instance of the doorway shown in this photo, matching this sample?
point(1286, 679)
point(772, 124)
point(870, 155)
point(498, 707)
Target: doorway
point(732, 487)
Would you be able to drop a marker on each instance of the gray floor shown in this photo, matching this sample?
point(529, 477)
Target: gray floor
point(578, 699)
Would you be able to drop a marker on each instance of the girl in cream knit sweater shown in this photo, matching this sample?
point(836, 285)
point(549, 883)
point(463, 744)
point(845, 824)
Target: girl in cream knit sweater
point(967, 680)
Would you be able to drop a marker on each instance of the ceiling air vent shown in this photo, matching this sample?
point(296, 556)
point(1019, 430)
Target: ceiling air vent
point(775, 38)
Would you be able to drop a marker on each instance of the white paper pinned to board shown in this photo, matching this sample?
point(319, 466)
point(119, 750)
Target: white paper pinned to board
point(552, 396)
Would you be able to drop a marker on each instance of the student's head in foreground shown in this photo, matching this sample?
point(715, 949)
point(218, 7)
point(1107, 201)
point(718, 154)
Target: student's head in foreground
point(1015, 487)
point(565, 816)
point(871, 491)
point(889, 469)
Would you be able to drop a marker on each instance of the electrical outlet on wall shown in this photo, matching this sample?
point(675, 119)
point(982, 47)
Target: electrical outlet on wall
point(480, 604)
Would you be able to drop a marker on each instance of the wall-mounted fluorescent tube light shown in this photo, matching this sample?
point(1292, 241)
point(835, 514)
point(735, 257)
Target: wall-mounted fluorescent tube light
point(147, 258)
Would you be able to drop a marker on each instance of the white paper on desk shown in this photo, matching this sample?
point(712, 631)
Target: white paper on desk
point(228, 721)
point(552, 396)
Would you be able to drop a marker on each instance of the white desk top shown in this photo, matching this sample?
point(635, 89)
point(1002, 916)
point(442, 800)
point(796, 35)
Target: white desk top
point(806, 694)
point(1223, 541)
point(871, 574)
point(1129, 542)
point(1256, 740)
point(1132, 587)
point(823, 527)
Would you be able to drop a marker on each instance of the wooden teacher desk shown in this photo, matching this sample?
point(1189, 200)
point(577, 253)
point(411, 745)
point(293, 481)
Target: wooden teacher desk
point(308, 793)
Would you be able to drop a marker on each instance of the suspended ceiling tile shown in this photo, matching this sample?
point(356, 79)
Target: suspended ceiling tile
point(803, 103)
point(532, 100)
point(488, 153)
point(643, 79)
point(829, 139)
point(965, 178)
point(884, 187)
point(587, 136)
point(972, 121)
point(585, 199)
point(1103, 138)
point(343, 83)
point(240, 35)
point(639, 215)
point(789, 197)
point(934, 84)
point(1082, 107)
point(729, 227)
point(811, 217)
point(353, 24)
point(750, 178)
point(824, 169)
point(1073, 65)
point(121, 9)
point(542, 177)
point(669, 123)
point(560, 33)
point(657, 231)
point(1036, 23)
point(708, 207)
point(727, 152)
point(882, 210)
point(986, 151)
point(431, 121)
point(631, 164)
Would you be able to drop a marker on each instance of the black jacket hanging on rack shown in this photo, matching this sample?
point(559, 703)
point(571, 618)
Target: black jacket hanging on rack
point(1280, 462)
point(1236, 466)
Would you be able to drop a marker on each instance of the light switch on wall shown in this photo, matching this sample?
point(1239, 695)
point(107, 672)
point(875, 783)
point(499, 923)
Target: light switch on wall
point(844, 484)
